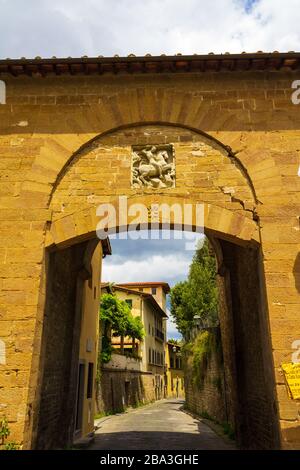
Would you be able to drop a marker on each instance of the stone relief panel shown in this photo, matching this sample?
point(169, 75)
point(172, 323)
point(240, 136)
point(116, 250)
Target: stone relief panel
point(153, 166)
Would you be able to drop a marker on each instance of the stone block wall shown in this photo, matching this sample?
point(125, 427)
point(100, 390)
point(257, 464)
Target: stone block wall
point(58, 375)
point(250, 381)
point(119, 389)
point(251, 184)
point(207, 399)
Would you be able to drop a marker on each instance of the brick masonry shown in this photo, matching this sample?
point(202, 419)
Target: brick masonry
point(52, 178)
point(209, 399)
point(124, 388)
point(58, 374)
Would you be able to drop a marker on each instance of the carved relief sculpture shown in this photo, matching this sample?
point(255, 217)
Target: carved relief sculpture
point(153, 166)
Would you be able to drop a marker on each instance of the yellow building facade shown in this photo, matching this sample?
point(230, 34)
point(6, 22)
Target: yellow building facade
point(174, 371)
point(151, 350)
point(88, 350)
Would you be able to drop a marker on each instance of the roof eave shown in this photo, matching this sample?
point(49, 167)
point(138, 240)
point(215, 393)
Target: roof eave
point(258, 61)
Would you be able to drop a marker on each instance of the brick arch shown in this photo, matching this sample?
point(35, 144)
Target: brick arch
point(214, 141)
point(54, 161)
point(81, 225)
point(262, 135)
point(139, 106)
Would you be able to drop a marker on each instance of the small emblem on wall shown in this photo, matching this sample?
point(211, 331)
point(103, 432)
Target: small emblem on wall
point(153, 166)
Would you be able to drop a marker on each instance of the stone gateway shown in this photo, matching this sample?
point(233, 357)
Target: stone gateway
point(216, 130)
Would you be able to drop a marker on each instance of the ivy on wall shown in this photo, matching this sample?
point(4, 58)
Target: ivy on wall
point(198, 354)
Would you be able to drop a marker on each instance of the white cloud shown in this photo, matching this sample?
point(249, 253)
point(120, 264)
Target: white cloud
point(168, 268)
point(93, 27)
point(153, 268)
point(148, 260)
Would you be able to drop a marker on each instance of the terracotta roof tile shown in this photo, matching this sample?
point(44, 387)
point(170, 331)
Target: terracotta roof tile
point(262, 61)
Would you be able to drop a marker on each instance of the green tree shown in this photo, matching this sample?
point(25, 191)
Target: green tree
point(135, 329)
point(174, 341)
point(198, 294)
point(117, 319)
point(115, 314)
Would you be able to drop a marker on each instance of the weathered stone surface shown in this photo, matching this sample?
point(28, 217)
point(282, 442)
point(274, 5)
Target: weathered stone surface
point(45, 178)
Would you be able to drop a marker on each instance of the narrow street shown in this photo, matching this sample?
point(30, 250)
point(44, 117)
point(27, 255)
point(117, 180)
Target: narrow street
point(159, 426)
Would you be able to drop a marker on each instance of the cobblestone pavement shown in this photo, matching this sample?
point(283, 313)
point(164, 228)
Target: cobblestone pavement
point(160, 426)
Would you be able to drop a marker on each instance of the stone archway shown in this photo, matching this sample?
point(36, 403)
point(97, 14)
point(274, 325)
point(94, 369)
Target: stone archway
point(207, 173)
point(57, 108)
point(62, 196)
point(240, 280)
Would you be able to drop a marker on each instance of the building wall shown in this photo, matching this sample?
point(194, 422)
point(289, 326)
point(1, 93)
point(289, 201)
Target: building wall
point(236, 140)
point(174, 374)
point(72, 319)
point(159, 296)
point(142, 379)
point(136, 301)
point(121, 362)
point(254, 423)
point(154, 363)
point(145, 310)
point(120, 389)
point(89, 337)
point(137, 308)
point(58, 377)
point(175, 383)
point(209, 399)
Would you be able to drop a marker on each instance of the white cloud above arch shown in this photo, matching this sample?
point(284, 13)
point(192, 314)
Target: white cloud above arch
point(108, 27)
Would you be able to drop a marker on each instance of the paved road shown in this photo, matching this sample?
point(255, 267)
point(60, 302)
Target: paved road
point(159, 426)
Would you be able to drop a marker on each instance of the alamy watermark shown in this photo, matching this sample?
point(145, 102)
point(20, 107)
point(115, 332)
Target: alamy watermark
point(296, 354)
point(138, 221)
point(295, 97)
point(2, 92)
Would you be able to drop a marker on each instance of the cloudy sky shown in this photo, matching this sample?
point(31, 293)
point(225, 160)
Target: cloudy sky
point(149, 260)
point(106, 27)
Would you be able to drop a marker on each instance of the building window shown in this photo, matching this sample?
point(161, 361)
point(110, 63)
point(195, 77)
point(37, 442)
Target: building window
point(153, 290)
point(129, 302)
point(89, 392)
point(149, 356)
point(149, 329)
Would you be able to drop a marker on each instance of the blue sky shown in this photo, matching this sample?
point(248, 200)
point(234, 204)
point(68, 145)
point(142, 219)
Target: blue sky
point(106, 27)
point(249, 5)
point(149, 260)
